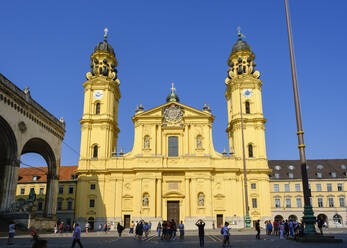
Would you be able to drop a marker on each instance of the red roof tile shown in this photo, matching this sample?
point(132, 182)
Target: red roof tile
point(25, 175)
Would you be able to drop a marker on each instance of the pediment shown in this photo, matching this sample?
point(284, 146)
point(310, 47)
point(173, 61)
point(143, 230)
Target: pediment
point(157, 112)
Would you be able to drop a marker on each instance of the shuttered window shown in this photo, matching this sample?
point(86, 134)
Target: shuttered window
point(173, 146)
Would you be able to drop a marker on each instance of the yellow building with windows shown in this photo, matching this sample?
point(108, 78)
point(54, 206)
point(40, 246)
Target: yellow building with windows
point(327, 181)
point(173, 170)
point(36, 178)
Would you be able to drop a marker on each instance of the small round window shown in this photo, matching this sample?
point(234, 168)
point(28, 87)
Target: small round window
point(343, 167)
point(319, 167)
point(291, 167)
point(277, 167)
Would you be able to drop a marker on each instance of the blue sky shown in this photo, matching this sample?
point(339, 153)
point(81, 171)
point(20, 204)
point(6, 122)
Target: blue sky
point(46, 45)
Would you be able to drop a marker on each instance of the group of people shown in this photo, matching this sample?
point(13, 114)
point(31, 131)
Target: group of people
point(141, 227)
point(281, 228)
point(168, 230)
point(61, 227)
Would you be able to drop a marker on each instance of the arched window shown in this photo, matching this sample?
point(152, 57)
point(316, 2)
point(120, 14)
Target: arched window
point(97, 108)
point(95, 151)
point(250, 151)
point(248, 109)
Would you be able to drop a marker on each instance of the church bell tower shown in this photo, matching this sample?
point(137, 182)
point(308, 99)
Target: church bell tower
point(243, 93)
point(99, 122)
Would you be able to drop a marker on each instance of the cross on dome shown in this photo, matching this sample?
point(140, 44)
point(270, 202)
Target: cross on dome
point(239, 34)
point(106, 31)
point(172, 87)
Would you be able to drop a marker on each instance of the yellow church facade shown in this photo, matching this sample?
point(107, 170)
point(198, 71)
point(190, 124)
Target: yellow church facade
point(173, 170)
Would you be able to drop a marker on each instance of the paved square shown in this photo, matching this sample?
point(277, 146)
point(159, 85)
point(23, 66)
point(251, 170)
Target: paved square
point(212, 239)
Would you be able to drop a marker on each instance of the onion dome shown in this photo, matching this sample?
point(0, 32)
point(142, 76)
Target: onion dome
point(172, 97)
point(240, 45)
point(104, 46)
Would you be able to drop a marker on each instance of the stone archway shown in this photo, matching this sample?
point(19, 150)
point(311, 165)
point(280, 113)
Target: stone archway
point(39, 146)
point(278, 218)
point(292, 217)
point(324, 218)
point(8, 164)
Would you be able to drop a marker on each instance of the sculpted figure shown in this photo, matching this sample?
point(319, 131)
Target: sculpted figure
point(201, 199)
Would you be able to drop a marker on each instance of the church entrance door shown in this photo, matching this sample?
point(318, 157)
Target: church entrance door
point(126, 221)
point(173, 211)
point(219, 220)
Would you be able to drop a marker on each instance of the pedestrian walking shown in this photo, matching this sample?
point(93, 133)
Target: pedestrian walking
point(11, 231)
point(173, 228)
point(201, 225)
point(105, 227)
point(257, 228)
point(120, 229)
point(181, 227)
point(146, 229)
point(281, 227)
point(320, 225)
point(291, 228)
point(76, 235)
point(132, 227)
point(139, 230)
point(159, 229)
point(225, 232)
point(87, 227)
point(276, 226)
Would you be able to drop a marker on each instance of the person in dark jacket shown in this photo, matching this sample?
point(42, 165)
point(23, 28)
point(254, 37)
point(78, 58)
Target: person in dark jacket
point(139, 230)
point(120, 229)
point(201, 225)
point(257, 228)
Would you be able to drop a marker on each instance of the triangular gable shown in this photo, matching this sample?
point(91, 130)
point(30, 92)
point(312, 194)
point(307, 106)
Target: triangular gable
point(189, 112)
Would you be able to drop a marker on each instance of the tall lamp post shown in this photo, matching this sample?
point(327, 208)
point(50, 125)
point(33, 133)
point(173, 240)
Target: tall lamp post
point(247, 218)
point(309, 219)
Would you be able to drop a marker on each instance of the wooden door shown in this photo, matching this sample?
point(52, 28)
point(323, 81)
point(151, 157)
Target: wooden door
point(173, 211)
point(126, 221)
point(219, 220)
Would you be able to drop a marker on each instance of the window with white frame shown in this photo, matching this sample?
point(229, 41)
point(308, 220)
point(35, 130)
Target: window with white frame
point(329, 187)
point(254, 203)
point(286, 188)
point(320, 202)
point(41, 190)
point(331, 202)
point(297, 187)
point(277, 202)
point(276, 188)
point(342, 201)
point(288, 203)
point(339, 187)
point(319, 187)
point(298, 202)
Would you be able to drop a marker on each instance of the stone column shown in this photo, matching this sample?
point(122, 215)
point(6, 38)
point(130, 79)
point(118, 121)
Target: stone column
point(187, 198)
point(119, 188)
point(159, 206)
point(51, 195)
point(9, 185)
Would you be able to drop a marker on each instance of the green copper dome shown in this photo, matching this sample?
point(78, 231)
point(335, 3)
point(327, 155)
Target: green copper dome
point(240, 45)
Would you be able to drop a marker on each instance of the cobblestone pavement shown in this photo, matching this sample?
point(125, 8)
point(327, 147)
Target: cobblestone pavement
point(212, 239)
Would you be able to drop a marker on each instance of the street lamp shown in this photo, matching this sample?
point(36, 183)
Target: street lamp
point(309, 219)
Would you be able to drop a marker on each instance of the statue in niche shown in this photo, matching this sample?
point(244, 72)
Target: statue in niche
point(201, 200)
point(147, 142)
point(145, 200)
point(198, 142)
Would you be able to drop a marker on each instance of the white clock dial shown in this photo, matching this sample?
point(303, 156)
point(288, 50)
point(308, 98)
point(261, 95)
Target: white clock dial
point(98, 94)
point(247, 92)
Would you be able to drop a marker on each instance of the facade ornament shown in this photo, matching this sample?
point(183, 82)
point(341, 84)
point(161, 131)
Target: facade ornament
point(22, 126)
point(173, 113)
point(145, 200)
point(199, 142)
point(147, 143)
point(201, 200)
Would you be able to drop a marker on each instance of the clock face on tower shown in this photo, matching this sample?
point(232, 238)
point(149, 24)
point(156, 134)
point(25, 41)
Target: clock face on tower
point(247, 92)
point(98, 94)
